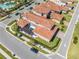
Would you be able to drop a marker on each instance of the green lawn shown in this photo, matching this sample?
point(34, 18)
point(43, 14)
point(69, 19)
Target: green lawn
point(67, 17)
point(73, 52)
point(7, 51)
point(2, 57)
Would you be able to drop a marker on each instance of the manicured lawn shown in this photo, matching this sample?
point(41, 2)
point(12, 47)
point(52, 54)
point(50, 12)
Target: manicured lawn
point(2, 57)
point(73, 52)
point(11, 23)
point(67, 17)
point(15, 28)
point(49, 45)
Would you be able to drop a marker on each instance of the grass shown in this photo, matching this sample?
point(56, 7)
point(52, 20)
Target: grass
point(7, 51)
point(67, 17)
point(62, 26)
point(14, 34)
point(2, 57)
point(73, 52)
point(49, 45)
point(2, 18)
point(11, 22)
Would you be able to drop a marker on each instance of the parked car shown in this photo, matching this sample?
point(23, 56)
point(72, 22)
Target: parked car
point(17, 13)
point(21, 8)
point(34, 50)
point(26, 5)
point(9, 16)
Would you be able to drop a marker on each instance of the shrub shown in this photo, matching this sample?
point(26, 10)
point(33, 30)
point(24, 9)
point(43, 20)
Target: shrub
point(75, 41)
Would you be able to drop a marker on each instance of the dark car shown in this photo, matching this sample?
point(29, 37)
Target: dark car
point(21, 8)
point(9, 16)
point(27, 5)
point(34, 50)
point(17, 13)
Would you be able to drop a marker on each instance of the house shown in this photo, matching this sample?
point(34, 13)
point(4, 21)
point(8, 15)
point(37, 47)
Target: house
point(22, 23)
point(25, 26)
point(45, 34)
point(55, 7)
point(58, 17)
point(38, 20)
point(51, 6)
point(43, 11)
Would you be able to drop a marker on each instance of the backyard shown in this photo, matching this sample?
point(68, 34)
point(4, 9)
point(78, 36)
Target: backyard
point(73, 52)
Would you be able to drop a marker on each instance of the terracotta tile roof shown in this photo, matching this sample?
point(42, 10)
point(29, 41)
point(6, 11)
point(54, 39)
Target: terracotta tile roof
point(48, 34)
point(55, 7)
point(56, 16)
point(39, 20)
point(22, 23)
point(41, 9)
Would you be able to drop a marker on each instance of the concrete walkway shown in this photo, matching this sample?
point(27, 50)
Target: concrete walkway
point(60, 34)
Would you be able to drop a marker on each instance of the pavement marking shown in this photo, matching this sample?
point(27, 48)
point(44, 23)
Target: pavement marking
point(60, 55)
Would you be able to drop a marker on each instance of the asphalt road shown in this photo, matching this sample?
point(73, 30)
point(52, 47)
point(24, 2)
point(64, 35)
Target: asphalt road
point(13, 44)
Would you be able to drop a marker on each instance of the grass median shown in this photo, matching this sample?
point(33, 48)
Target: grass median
point(7, 51)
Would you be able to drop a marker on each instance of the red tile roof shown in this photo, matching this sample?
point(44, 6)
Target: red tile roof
point(41, 9)
point(48, 23)
point(48, 34)
point(54, 6)
point(22, 23)
point(56, 16)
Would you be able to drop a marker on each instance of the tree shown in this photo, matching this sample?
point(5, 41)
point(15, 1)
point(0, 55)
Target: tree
point(75, 40)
